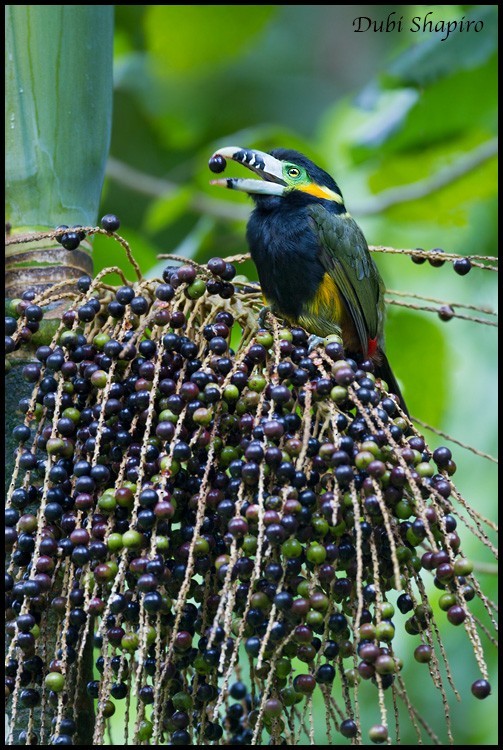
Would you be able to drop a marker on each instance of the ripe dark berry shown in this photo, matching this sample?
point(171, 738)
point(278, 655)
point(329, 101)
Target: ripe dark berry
point(481, 689)
point(10, 345)
point(304, 683)
point(344, 376)
point(86, 313)
point(84, 283)
point(70, 240)
point(442, 456)
point(115, 309)
point(10, 325)
point(418, 259)
point(436, 262)
point(34, 313)
point(227, 290)
point(238, 691)
point(217, 163)
point(124, 295)
point(224, 316)
point(21, 433)
point(445, 312)
point(180, 737)
point(110, 223)
point(280, 394)
point(59, 236)
point(31, 372)
point(80, 234)
point(29, 698)
point(462, 266)
point(325, 675)
point(348, 728)
point(228, 273)
point(95, 304)
point(213, 286)
point(139, 305)
point(216, 266)
point(456, 614)
point(165, 292)
point(187, 274)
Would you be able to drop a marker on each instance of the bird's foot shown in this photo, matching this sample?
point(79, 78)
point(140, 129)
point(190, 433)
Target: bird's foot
point(313, 341)
point(262, 316)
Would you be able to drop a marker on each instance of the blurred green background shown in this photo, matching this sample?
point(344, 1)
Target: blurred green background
point(410, 113)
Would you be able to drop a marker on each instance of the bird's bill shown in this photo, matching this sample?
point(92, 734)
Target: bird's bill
point(264, 165)
point(270, 170)
point(250, 186)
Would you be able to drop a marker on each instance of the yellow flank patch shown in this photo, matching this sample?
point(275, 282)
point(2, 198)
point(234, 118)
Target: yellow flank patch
point(327, 298)
point(320, 191)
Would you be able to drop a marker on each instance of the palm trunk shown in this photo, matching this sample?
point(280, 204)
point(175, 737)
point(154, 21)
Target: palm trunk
point(58, 123)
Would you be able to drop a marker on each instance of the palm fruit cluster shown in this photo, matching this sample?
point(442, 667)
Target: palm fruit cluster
point(238, 525)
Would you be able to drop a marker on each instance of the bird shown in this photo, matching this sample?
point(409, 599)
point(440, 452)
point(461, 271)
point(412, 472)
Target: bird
point(313, 262)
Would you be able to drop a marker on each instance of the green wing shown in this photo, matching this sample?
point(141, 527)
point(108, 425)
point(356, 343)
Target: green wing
point(345, 256)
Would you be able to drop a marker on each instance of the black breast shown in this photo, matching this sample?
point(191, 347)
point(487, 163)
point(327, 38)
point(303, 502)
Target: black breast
point(284, 248)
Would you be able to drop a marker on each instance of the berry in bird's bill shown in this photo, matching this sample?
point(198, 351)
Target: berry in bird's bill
point(217, 163)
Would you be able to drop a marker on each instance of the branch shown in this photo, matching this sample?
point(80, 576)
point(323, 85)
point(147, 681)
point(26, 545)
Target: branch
point(490, 568)
point(406, 193)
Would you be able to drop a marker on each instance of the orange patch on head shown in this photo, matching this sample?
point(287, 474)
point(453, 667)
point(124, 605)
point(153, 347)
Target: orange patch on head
point(319, 191)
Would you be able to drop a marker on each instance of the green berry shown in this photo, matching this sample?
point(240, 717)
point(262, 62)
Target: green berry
point(196, 289)
point(132, 539)
point(385, 631)
point(264, 338)
point(114, 542)
point(55, 681)
point(316, 553)
point(99, 378)
point(292, 548)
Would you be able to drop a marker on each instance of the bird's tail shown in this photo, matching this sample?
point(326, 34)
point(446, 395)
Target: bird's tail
point(384, 371)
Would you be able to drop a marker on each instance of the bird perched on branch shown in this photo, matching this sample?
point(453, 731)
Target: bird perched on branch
point(312, 258)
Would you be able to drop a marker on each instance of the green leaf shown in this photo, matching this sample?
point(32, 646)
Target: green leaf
point(107, 252)
point(436, 56)
point(384, 112)
point(449, 204)
point(165, 210)
point(473, 94)
point(417, 351)
point(191, 38)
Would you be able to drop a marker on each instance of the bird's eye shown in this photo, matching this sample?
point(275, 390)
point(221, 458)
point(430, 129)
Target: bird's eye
point(293, 172)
